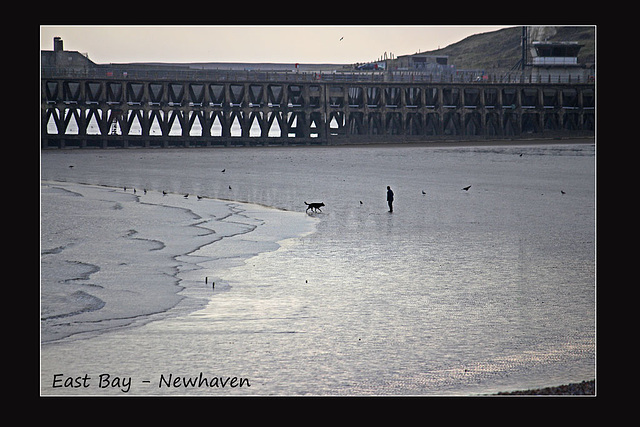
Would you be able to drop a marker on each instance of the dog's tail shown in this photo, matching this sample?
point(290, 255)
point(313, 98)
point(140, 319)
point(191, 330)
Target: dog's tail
point(306, 203)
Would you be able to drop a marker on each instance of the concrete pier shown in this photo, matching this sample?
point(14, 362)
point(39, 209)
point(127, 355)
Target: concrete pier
point(138, 111)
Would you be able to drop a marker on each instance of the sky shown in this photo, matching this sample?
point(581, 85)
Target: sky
point(276, 44)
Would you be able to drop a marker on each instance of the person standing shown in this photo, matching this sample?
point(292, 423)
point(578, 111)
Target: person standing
point(390, 198)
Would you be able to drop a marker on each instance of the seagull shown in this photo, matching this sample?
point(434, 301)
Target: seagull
point(562, 192)
point(466, 188)
point(423, 192)
point(186, 195)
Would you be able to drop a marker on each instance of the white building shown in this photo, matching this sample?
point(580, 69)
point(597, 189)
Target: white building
point(557, 62)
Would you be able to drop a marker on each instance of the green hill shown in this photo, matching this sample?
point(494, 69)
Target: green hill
point(502, 48)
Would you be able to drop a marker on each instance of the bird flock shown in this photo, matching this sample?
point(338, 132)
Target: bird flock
point(186, 195)
point(164, 192)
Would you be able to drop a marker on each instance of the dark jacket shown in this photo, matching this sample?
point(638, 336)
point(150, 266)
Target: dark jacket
point(389, 195)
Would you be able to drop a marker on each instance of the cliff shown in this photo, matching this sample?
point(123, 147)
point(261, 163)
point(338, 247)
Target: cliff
point(502, 49)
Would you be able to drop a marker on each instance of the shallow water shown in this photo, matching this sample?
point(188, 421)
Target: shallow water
point(455, 292)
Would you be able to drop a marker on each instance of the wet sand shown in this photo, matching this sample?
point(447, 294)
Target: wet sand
point(472, 142)
point(292, 308)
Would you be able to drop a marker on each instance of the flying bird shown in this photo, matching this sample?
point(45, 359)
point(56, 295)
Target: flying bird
point(466, 188)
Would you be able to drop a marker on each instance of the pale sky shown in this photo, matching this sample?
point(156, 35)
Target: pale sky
point(278, 44)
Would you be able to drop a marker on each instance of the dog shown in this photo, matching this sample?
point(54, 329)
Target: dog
point(315, 207)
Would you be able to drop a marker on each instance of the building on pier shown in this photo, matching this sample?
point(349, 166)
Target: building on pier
point(434, 65)
point(58, 58)
point(557, 62)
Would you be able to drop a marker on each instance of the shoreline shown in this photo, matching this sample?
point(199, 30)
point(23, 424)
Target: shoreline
point(204, 253)
point(572, 389)
point(439, 143)
point(476, 143)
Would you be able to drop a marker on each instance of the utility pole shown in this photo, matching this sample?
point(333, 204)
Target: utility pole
point(522, 62)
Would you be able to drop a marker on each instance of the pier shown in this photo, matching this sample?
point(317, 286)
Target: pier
point(101, 108)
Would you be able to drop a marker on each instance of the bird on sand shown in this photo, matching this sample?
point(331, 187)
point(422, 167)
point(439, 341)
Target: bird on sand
point(229, 187)
point(466, 188)
point(223, 170)
point(164, 193)
point(341, 38)
point(562, 191)
point(186, 196)
point(423, 192)
point(360, 201)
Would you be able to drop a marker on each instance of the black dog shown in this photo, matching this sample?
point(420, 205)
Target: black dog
point(314, 206)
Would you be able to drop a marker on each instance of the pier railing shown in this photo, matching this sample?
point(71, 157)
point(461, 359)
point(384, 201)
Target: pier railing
point(193, 74)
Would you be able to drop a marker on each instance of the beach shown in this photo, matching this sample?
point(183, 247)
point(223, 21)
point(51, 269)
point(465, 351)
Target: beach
point(218, 271)
point(153, 240)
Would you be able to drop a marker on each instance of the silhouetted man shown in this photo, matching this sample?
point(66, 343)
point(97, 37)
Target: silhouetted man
point(390, 198)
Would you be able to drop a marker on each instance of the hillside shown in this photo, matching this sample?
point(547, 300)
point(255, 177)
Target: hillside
point(502, 49)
